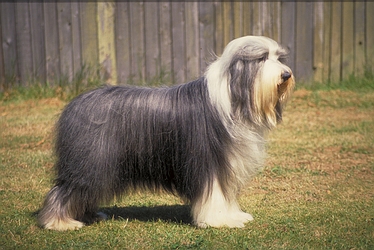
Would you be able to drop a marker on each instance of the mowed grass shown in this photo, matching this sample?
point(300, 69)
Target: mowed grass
point(316, 191)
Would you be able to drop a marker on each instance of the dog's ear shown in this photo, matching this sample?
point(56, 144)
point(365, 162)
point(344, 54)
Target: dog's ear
point(242, 74)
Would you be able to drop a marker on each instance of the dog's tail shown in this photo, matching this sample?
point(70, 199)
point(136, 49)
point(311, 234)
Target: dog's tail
point(58, 214)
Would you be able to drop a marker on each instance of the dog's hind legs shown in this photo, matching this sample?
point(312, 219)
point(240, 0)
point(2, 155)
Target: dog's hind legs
point(68, 212)
point(58, 213)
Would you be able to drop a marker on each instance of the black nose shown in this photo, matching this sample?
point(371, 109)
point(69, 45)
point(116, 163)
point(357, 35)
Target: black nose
point(286, 75)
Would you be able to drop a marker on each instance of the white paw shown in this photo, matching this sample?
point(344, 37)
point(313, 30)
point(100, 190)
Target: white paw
point(245, 217)
point(63, 225)
point(234, 220)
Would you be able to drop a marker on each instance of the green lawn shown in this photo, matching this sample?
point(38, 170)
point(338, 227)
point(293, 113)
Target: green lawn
point(316, 192)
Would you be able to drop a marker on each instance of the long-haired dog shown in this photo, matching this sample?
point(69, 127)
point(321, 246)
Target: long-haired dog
point(202, 140)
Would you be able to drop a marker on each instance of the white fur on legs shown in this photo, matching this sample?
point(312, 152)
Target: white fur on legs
point(63, 224)
point(217, 211)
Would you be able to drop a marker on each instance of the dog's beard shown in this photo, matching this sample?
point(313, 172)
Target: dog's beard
point(270, 91)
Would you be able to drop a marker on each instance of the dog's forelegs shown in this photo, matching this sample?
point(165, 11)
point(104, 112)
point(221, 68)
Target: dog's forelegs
point(216, 210)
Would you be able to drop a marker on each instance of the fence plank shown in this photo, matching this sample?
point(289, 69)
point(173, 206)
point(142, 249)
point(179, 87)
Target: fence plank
point(76, 38)
point(51, 42)
point(369, 36)
point(88, 22)
point(257, 21)
point(247, 18)
point(347, 39)
point(106, 41)
point(218, 32)
point(123, 42)
point(326, 41)
point(206, 17)
point(137, 40)
point(2, 69)
point(152, 47)
point(192, 40)
point(37, 40)
point(238, 18)
point(318, 40)
point(65, 39)
point(178, 41)
point(288, 30)
point(228, 17)
point(24, 52)
point(360, 37)
point(335, 51)
point(266, 19)
point(304, 41)
point(165, 37)
point(277, 21)
point(9, 42)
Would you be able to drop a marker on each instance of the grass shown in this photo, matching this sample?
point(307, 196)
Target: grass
point(316, 191)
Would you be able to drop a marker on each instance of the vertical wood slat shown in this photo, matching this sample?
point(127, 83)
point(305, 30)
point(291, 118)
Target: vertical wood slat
point(369, 36)
point(238, 18)
point(65, 39)
point(318, 41)
point(89, 36)
point(165, 37)
point(247, 18)
point(347, 39)
point(51, 42)
point(137, 41)
point(228, 17)
point(288, 31)
point(192, 40)
point(327, 6)
point(152, 47)
point(304, 41)
point(2, 65)
point(277, 20)
point(218, 31)
point(206, 33)
point(257, 18)
point(76, 37)
point(37, 40)
point(266, 19)
point(178, 41)
point(123, 56)
point(23, 34)
point(359, 34)
point(106, 41)
point(335, 49)
point(9, 41)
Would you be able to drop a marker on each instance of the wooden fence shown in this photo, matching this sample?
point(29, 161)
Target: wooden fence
point(140, 40)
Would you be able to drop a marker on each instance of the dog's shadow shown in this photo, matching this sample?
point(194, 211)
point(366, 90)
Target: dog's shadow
point(175, 213)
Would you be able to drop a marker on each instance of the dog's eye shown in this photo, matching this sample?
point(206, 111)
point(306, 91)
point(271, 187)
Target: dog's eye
point(282, 59)
point(264, 58)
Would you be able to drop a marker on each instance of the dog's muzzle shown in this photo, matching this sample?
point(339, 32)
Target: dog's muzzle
point(285, 76)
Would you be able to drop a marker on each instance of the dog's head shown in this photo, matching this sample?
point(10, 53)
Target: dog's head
point(250, 82)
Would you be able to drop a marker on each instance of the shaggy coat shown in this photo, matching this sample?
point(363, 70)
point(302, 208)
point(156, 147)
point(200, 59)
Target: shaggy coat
point(202, 140)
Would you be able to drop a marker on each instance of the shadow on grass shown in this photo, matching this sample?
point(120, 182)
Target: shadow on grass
point(174, 213)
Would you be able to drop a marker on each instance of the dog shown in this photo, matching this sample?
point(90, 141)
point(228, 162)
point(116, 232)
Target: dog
point(201, 140)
